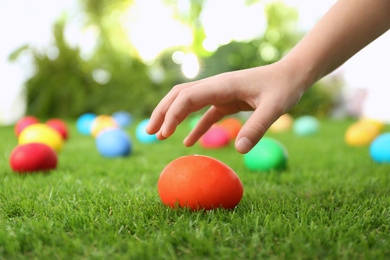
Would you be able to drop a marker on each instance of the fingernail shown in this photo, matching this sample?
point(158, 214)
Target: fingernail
point(185, 142)
point(244, 145)
point(164, 131)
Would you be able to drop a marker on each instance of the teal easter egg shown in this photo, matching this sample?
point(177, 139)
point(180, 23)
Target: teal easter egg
point(142, 135)
point(306, 125)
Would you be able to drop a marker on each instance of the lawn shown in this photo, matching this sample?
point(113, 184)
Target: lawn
point(333, 202)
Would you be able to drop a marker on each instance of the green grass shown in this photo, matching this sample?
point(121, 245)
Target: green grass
point(333, 202)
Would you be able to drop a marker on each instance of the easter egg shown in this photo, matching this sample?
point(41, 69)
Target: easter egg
point(84, 123)
point(215, 137)
point(359, 134)
point(24, 122)
point(101, 123)
point(282, 124)
point(378, 124)
point(306, 125)
point(380, 148)
point(142, 135)
point(193, 121)
point(268, 154)
point(123, 118)
point(41, 133)
point(33, 157)
point(231, 125)
point(199, 182)
point(113, 143)
point(60, 126)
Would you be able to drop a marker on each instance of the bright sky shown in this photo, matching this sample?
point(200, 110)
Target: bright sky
point(32, 25)
point(22, 22)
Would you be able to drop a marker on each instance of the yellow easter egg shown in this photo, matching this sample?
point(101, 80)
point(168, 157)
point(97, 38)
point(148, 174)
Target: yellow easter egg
point(361, 134)
point(378, 124)
point(41, 133)
point(101, 123)
point(283, 124)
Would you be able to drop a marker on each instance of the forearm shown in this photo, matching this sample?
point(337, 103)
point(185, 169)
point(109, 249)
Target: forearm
point(343, 31)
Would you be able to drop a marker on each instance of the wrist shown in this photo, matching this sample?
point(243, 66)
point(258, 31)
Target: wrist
point(300, 74)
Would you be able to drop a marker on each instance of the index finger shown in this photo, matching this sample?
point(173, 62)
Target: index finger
point(158, 114)
point(192, 99)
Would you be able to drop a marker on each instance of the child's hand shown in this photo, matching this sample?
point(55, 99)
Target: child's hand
point(269, 90)
point(272, 90)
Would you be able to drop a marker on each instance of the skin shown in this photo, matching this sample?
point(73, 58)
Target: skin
point(272, 90)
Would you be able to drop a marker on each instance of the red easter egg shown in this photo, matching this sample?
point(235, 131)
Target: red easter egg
point(199, 182)
point(59, 126)
point(232, 126)
point(215, 137)
point(33, 157)
point(23, 123)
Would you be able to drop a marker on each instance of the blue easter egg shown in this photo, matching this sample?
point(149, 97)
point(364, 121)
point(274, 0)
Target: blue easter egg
point(380, 148)
point(142, 135)
point(306, 125)
point(123, 118)
point(113, 143)
point(84, 123)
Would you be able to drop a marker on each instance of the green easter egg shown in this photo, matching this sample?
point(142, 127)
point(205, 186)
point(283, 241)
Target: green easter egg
point(266, 155)
point(193, 121)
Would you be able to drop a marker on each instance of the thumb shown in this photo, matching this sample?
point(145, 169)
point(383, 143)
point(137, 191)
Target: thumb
point(255, 127)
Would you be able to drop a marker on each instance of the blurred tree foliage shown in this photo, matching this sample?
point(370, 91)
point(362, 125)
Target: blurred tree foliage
point(67, 85)
point(280, 36)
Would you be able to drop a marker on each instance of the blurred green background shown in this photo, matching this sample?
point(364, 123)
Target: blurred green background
point(118, 75)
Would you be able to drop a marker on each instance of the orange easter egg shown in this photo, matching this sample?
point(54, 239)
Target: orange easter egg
point(199, 182)
point(232, 126)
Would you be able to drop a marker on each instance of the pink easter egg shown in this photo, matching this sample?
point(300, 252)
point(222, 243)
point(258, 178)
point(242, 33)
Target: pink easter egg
point(215, 137)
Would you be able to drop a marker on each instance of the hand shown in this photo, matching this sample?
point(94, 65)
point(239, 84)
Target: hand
point(269, 90)
point(274, 89)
